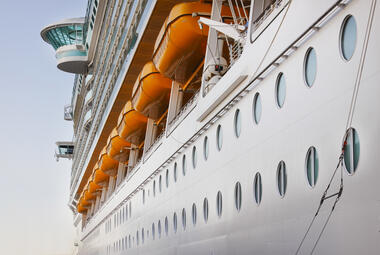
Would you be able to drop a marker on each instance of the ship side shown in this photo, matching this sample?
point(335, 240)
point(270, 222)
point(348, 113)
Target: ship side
point(223, 127)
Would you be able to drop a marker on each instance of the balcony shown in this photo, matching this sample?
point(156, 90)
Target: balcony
point(66, 37)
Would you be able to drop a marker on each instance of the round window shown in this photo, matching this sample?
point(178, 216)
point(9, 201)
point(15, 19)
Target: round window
point(351, 151)
point(237, 123)
point(310, 67)
point(194, 214)
point(257, 188)
point(175, 172)
point(205, 209)
point(205, 147)
point(194, 157)
point(166, 226)
point(219, 204)
point(281, 178)
point(312, 165)
point(184, 218)
point(154, 188)
point(280, 90)
point(238, 196)
point(219, 137)
point(257, 108)
point(175, 222)
point(184, 165)
point(159, 229)
point(348, 36)
point(160, 183)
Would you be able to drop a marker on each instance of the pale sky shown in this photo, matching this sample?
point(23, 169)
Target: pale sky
point(34, 188)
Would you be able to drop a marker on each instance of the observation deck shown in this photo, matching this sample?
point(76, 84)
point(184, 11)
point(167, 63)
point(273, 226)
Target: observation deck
point(67, 39)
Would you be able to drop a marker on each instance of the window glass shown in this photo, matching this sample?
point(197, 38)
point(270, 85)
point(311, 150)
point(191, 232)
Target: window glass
point(153, 231)
point(167, 178)
point(312, 165)
point(159, 229)
point(175, 172)
point(310, 67)
point(175, 222)
point(184, 165)
point(219, 137)
point(143, 198)
point(348, 37)
point(238, 196)
point(160, 183)
point(257, 108)
point(194, 157)
point(219, 204)
point(351, 151)
point(137, 237)
point(237, 123)
point(142, 236)
point(205, 209)
point(205, 147)
point(257, 188)
point(281, 178)
point(154, 188)
point(184, 218)
point(194, 214)
point(280, 90)
point(166, 226)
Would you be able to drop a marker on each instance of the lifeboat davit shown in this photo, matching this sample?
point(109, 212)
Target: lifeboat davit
point(131, 125)
point(107, 164)
point(117, 147)
point(151, 92)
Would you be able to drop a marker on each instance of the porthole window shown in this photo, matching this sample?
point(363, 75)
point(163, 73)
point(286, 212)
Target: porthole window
point(281, 178)
point(153, 232)
point(175, 222)
point(167, 178)
point(184, 165)
point(205, 147)
point(257, 188)
point(351, 151)
point(184, 218)
point(160, 183)
point(257, 108)
point(219, 204)
point(238, 196)
point(194, 157)
point(348, 36)
point(310, 67)
point(280, 90)
point(194, 214)
point(154, 188)
point(237, 123)
point(312, 165)
point(219, 137)
point(205, 209)
point(159, 229)
point(175, 172)
point(166, 226)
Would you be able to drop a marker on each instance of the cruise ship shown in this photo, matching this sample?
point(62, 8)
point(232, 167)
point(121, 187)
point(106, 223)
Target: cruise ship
point(222, 127)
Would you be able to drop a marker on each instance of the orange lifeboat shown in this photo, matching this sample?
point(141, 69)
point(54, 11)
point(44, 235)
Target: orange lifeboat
point(88, 196)
point(93, 187)
point(117, 147)
point(151, 92)
point(131, 125)
point(107, 164)
point(181, 44)
point(81, 208)
point(100, 177)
